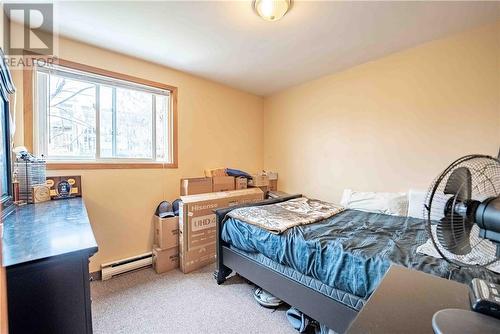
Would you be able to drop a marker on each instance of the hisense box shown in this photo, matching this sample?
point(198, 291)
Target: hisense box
point(166, 232)
point(197, 224)
point(195, 185)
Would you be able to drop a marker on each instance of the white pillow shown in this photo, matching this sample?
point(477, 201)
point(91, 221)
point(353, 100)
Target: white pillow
point(416, 200)
point(395, 204)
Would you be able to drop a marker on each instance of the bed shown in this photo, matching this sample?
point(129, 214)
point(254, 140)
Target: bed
point(330, 268)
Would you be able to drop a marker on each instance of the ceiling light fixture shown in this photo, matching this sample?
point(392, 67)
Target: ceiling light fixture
point(272, 10)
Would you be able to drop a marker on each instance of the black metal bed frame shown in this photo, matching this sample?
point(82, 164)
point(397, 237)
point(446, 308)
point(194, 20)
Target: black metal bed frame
point(333, 314)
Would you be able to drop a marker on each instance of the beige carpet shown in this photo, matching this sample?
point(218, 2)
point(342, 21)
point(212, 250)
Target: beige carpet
point(145, 302)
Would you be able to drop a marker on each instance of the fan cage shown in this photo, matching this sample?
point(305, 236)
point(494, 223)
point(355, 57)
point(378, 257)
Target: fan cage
point(485, 175)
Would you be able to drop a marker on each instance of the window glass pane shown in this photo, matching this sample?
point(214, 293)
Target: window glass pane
point(71, 118)
point(134, 123)
point(106, 121)
point(162, 126)
point(134, 117)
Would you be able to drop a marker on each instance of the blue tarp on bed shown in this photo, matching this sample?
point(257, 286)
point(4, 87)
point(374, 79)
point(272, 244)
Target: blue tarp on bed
point(350, 251)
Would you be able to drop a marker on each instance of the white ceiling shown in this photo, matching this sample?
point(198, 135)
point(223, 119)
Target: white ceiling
point(226, 42)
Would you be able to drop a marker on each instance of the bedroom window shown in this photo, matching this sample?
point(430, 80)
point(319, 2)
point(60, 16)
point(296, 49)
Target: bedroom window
point(83, 117)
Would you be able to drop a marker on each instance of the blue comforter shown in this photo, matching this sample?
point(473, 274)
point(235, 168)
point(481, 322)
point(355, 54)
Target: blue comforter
point(350, 251)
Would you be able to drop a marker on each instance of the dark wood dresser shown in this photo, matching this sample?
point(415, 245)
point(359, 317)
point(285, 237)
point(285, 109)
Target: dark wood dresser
point(46, 251)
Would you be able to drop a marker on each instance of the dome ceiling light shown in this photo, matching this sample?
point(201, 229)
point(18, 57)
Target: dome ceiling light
point(272, 10)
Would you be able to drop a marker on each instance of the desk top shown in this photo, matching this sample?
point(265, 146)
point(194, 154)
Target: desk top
point(405, 302)
point(37, 231)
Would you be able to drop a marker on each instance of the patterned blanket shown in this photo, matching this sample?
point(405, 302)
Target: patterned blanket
point(279, 217)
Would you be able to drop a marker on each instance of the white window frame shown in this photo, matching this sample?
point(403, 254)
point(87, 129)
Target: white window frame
point(40, 140)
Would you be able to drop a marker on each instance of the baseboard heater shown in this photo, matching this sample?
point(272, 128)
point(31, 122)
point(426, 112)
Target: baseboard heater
point(112, 269)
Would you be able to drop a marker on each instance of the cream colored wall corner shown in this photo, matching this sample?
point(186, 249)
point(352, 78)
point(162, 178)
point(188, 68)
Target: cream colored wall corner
point(218, 126)
point(390, 124)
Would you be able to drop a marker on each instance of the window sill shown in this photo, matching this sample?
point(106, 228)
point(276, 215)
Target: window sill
point(109, 165)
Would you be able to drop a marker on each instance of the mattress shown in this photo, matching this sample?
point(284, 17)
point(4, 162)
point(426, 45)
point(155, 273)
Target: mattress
point(350, 252)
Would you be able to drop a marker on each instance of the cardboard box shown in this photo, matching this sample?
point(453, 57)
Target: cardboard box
point(196, 185)
point(271, 175)
point(265, 190)
point(197, 224)
point(198, 258)
point(273, 180)
point(240, 183)
point(273, 185)
point(165, 259)
point(222, 183)
point(259, 180)
point(215, 172)
point(166, 232)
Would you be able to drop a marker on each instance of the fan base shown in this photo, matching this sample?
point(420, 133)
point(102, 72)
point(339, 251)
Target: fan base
point(455, 321)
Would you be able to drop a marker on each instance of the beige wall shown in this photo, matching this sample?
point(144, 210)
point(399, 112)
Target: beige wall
point(391, 124)
point(218, 126)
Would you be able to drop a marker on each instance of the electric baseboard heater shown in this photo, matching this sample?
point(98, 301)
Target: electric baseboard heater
point(112, 269)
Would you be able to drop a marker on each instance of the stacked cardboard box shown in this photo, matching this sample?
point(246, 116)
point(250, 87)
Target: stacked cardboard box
point(197, 224)
point(196, 185)
point(189, 240)
point(240, 183)
point(222, 183)
point(216, 180)
point(204, 185)
point(215, 172)
point(266, 181)
point(273, 180)
point(166, 244)
point(260, 181)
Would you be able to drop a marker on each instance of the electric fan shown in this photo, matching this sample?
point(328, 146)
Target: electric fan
point(463, 220)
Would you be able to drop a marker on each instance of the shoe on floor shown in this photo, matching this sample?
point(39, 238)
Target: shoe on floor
point(266, 299)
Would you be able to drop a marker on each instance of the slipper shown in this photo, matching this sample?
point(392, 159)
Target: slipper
point(266, 299)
